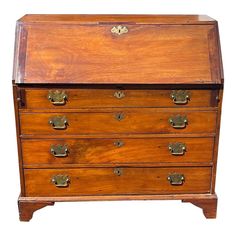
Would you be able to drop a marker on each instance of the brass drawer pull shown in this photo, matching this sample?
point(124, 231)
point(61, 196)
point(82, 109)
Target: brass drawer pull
point(58, 122)
point(59, 150)
point(57, 97)
point(118, 171)
point(176, 179)
point(180, 97)
point(178, 122)
point(119, 94)
point(119, 30)
point(119, 143)
point(61, 181)
point(177, 149)
point(119, 116)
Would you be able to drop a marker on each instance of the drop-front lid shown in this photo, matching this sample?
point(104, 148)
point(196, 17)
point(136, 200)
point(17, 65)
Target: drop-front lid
point(117, 49)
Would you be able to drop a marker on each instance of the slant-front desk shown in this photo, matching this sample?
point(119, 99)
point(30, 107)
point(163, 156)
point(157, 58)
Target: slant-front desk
point(117, 107)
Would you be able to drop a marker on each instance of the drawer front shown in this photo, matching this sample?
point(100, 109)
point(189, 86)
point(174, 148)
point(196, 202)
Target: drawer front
point(95, 54)
point(102, 181)
point(127, 150)
point(94, 98)
point(141, 121)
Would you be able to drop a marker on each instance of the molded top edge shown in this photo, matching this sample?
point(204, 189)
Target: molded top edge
point(116, 18)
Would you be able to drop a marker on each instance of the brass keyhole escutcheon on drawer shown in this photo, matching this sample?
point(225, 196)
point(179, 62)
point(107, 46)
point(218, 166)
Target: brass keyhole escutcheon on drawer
point(119, 143)
point(58, 122)
point(118, 171)
point(119, 116)
point(119, 30)
point(178, 121)
point(177, 149)
point(180, 97)
point(61, 181)
point(119, 94)
point(176, 179)
point(57, 97)
point(59, 150)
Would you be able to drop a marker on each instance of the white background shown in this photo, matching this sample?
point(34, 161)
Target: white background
point(127, 217)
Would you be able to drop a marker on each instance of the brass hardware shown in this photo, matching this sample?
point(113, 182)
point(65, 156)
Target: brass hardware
point(119, 94)
point(57, 97)
point(177, 149)
point(59, 150)
point(178, 121)
point(58, 122)
point(119, 30)
point(119, 143)
point(118, 171)
point(180, 96)
point(119, 116)
point(176, 179)
point(61, 180)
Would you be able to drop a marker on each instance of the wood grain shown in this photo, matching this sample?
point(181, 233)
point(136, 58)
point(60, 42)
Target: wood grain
point(123, 59)
point(103, 181)
point(94, 98)
point(27, 208)
point(105, 122)
point(104, 151)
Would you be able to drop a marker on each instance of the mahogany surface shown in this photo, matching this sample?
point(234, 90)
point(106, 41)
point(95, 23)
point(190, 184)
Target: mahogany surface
point(118, 145)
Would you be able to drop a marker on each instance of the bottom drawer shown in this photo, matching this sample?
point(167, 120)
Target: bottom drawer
point(112, 181)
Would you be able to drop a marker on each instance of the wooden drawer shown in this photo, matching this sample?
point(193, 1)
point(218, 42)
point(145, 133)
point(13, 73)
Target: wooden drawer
point(122, 121)
point(108, 181)
point(126, 150)
point(94, 98)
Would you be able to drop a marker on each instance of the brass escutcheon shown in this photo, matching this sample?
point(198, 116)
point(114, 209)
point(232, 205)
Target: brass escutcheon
point(178, 121)
point(58, 122)
point(119, 30)
point(119, 94)
point(57, 97)
point(61, 180)
point(180, 97)
point(59, 150)
point(176, 179)
point(118, 171)
point(119, 116)
point(119, 143)
point(177, 149)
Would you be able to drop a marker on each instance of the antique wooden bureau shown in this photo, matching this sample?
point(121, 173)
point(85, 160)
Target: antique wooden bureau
point(117, 107)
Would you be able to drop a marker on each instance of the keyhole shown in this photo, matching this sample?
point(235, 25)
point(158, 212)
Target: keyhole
point(119, 94)
point(118, 172)
point(119, 116)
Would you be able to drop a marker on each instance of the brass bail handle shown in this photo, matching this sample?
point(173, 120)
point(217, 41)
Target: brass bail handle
point(177, 149)
point(59, 150)
point(61, 181)
point(57, 97)
point(178, 121)
point(58, 122)
point(180, 97)
point(176, 179)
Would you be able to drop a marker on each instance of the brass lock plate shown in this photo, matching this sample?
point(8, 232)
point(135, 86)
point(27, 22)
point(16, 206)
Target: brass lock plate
point(119, 30)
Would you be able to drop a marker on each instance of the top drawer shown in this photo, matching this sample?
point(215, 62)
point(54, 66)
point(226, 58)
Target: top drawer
point(95, 98)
